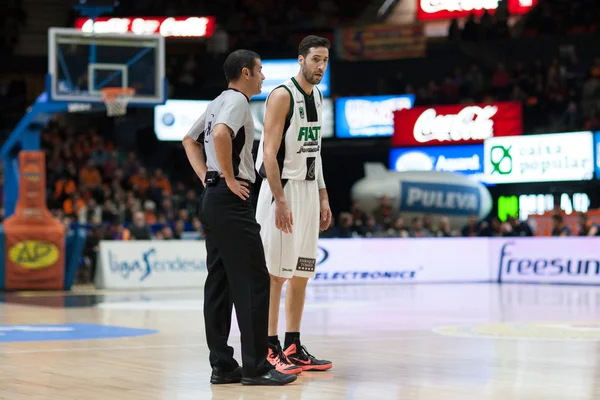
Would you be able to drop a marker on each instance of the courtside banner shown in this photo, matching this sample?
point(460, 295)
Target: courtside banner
point(364, 261)
point(151, 264)
point(456, 124)
point(561, 260)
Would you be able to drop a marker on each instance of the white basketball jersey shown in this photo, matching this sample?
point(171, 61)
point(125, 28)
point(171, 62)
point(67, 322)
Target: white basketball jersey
point(300, 149)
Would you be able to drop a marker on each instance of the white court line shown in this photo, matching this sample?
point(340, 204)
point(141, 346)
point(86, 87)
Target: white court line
point(185, 346)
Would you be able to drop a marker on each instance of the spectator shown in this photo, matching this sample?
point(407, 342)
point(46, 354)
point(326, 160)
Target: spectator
point(520, 228)
point(89, 177)
point(73, 204)
point(346, 229)
point(370, 229)
point(139, 229)
point(91, 212)
point(384, 214)
point(444, 228)
point(399, 229)
point(417, 229)
point(587, 228)
point(558, 226)
point(472, 228)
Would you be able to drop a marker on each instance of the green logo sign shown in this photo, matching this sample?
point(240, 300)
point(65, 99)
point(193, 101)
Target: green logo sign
point(301, 110)
point(309, 133)
point(501, 160)
point(508, 206)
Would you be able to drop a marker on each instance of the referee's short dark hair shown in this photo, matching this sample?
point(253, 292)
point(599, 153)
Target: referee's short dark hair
point(312, 41)
point(238, 60)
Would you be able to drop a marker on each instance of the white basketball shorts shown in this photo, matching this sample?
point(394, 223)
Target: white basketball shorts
point(291, 254)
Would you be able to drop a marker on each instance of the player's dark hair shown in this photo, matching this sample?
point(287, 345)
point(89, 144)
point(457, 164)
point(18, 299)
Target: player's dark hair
point(558, 218)
point(238, 60)
point(312, 41)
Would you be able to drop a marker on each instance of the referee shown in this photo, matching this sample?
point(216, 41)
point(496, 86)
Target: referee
point(237, 272)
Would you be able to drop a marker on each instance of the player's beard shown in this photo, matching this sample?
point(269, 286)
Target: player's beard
point(310, 77)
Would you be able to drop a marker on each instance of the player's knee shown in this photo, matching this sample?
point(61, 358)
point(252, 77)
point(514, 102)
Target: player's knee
point(277, 280)
point(299, 281)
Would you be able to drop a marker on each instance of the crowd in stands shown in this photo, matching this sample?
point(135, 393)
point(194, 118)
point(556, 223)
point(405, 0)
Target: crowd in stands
point(560, 96)
point(386, 222)
point(93, 184)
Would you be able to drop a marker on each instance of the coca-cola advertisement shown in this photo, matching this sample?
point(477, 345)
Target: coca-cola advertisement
point(456, 124)
point(447, 9)
point(171, 27)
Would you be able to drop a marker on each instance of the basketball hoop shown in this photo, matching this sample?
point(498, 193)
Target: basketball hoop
point(116, 99)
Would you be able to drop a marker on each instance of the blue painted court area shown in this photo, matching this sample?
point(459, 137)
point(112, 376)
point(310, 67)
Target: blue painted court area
point(66, 332)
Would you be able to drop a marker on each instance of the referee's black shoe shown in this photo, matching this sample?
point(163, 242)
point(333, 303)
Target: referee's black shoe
point(271, 378)
point(219, 377)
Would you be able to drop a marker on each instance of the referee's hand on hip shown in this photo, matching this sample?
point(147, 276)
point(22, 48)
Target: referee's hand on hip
point(239, 188)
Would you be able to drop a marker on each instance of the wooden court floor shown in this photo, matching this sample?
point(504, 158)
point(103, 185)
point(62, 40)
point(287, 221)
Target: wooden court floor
point(425, 342)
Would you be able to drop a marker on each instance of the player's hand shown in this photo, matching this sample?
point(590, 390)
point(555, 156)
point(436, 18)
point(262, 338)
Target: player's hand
point(283, 217)
point(325, 215)
point(239, 188)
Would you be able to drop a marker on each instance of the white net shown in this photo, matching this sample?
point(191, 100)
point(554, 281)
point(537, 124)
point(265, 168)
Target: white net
point(116, 101)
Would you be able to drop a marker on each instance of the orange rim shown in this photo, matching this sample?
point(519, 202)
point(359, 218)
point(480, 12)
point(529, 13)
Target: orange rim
point(112, 93)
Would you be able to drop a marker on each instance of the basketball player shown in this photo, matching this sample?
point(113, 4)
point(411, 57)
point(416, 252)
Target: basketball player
point(292, 203)
point(237, 273)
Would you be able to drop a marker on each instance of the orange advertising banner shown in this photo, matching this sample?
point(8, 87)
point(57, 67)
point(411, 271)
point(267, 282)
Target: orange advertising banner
point(34, 239)
point(380, 42)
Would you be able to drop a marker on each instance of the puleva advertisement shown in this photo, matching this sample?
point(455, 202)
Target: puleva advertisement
point(539, 158)
point(439, 198)
point(151, 264)
point(368, 116)
point(570, 260)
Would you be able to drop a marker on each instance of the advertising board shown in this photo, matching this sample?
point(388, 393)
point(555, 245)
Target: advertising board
point(352, 261)
point(146, 264)
point(171, 27)
point(539, 158)
point(561, 260)
point(368, 116)
point(456, 124)
point(448, 9)
point(175, 118)
point(564, 260)
point(465, 159)
point(278, 71)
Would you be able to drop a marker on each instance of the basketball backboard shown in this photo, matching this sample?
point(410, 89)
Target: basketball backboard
point(82, 64)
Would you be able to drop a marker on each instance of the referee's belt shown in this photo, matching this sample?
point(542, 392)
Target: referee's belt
point(213, 178)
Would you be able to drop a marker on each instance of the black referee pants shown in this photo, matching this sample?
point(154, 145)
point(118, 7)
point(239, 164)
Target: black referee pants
point(237, 275)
